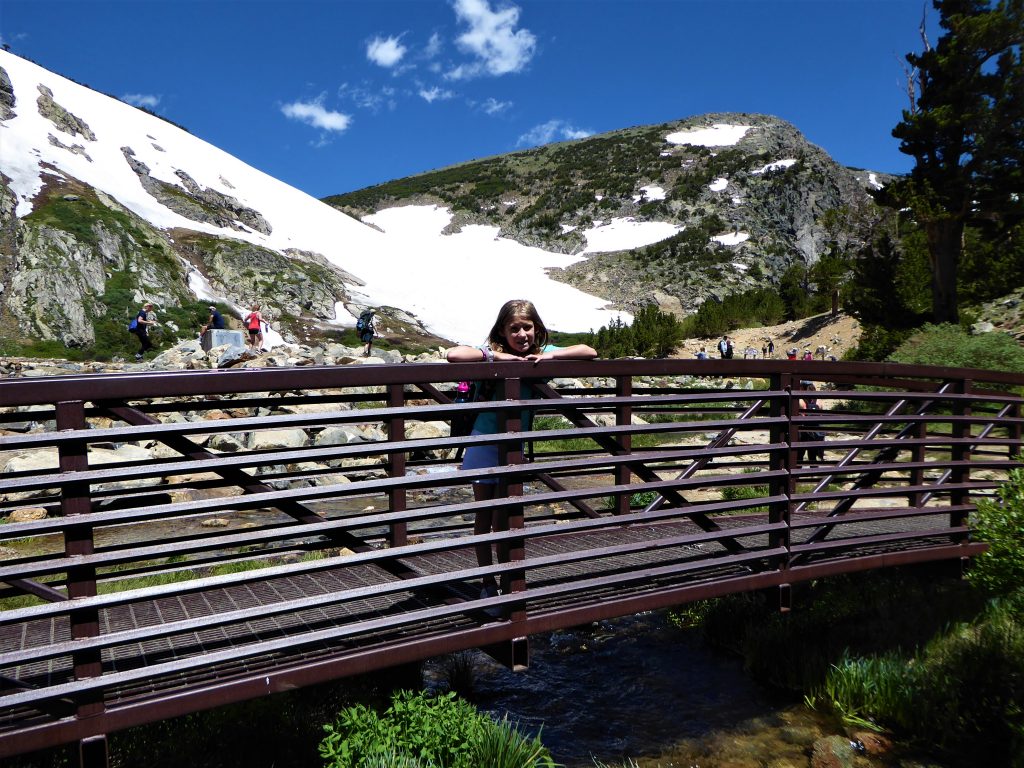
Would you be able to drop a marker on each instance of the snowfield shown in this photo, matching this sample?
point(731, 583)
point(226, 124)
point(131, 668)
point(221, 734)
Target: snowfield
point(454, 283)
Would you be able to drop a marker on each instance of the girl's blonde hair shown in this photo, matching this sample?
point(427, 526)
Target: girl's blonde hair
point(511, 310)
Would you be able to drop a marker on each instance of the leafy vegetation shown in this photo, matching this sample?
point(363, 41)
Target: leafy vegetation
point(758, 306)
point(736, 492)
point(1000, 523)
point(428, 732)
point(961, 693)
point(951, 345)
point(963, 690)
point(862, 614)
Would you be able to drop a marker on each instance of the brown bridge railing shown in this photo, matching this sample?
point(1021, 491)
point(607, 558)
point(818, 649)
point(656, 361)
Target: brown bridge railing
point(178, 541)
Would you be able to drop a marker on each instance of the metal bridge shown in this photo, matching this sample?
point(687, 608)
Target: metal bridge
point(179, 541)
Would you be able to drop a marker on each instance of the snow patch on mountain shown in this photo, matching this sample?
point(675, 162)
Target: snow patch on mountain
point(718, 135)
point(454, 283)
point(624, 233)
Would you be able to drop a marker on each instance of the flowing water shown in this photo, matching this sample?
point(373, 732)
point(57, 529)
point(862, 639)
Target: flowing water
point(641, 689)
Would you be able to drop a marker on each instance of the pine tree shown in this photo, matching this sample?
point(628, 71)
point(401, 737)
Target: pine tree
point(964, 131)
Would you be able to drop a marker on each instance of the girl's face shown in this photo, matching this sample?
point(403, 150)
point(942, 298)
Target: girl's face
point(519, 335)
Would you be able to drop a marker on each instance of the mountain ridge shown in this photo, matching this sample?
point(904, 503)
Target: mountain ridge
point(103, 205)
point(549, 195)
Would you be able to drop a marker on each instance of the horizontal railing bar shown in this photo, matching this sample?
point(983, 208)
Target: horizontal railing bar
point(851, 542)
point(143, 385)
point(349, 416)
point(362, 558)
point(859, 516)
point(85, 685)
point(130, 470)
point(312, 601)
point(218, 541)
point(267, 498)
point(901, 490)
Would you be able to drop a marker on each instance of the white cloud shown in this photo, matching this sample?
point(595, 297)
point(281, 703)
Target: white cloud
point(313, 113)
point(385, 51)
point(493, 107)
point(493, 39)
point(148, 100)
point(366, 98)
point(430, 95)
point(552, 130)
point(433, 47)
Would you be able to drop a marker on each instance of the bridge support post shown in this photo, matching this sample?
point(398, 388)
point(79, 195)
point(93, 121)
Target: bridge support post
point(93, 752)
point(1014, 433)
point(917, 475)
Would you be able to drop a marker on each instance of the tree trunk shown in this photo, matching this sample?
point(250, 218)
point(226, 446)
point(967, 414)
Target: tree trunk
point(945, 241)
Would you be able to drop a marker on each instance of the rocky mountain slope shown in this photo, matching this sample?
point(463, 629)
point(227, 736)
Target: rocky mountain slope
point(746, 196)
point(103, 205)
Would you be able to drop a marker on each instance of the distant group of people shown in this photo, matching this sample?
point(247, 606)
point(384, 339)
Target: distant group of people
point(145, 320)
point(726, 350)
point(253, 322)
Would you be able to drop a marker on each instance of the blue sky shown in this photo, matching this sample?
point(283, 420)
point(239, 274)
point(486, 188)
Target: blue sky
point(335, 95)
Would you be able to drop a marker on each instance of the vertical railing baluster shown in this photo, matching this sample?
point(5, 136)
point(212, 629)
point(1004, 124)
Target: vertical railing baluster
point(1014, 431)
point(79, 540)
point(961, 452)
point(511, 454)
point(781, 512)
point(397, 502)
point(917, 475)
point(623, 417)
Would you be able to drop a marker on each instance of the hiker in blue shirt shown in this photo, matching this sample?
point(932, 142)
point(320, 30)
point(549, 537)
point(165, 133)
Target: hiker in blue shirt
point(517, 335)
point(215, 321)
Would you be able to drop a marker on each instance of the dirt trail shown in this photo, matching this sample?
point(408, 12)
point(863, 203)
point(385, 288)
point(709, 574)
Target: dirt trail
point(821, 334)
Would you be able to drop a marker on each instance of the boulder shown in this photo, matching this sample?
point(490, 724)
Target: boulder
point(277, 439)
point(226, 443)
point(832, 752)
point(27, 515)
point(344, 434)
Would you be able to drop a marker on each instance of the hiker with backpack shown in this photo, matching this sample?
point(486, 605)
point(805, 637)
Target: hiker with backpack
point(518, 335)
point(365, 329)
point(140, 327)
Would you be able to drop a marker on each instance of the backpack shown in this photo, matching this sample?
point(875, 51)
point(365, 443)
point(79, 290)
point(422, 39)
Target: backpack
point(469, 392)
point(363, 323)
point(133, 326)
